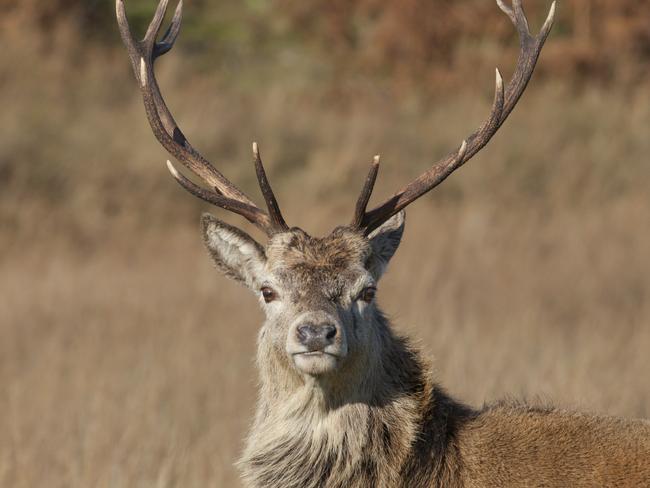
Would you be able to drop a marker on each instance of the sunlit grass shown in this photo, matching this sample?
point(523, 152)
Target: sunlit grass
point(125, 360)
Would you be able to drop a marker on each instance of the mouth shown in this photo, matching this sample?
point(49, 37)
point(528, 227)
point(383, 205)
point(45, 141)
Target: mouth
point(310, 354)
point(315, 362)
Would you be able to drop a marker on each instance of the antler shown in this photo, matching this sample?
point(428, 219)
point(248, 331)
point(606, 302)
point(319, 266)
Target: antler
point(221, 191)
point(504, 102)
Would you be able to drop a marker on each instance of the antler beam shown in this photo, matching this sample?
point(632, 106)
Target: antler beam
point(504, 103)
point(220, 192)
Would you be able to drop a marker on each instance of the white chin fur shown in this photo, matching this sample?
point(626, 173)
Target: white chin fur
point(315, 363)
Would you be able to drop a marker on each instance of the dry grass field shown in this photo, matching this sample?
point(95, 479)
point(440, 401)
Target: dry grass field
point(127, 361)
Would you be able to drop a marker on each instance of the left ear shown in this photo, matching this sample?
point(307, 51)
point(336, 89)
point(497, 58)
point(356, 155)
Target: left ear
point(384, 241)
point(234, 252)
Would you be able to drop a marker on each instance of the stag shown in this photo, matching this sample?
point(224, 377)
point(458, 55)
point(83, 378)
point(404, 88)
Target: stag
point(344, 401)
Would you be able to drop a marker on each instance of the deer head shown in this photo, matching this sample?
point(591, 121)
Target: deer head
point(317, 293)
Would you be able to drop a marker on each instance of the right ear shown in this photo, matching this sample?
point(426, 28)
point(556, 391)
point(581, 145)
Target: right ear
point(384, 242)
point(234, 252)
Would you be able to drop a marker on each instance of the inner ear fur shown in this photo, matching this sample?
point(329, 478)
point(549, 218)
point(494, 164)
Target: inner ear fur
point(384, 241)
point(235, 253)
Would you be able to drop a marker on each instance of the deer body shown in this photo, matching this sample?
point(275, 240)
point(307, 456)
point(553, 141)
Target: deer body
point(417, 436)
point(383, 421)
point(344, 402)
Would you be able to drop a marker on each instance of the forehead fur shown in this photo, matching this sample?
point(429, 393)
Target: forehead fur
point(335, 253)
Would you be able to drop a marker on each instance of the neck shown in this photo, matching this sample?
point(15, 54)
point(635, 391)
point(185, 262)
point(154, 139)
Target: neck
point(357, 432)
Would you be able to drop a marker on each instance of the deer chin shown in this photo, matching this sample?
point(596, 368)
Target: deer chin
point(316, 363)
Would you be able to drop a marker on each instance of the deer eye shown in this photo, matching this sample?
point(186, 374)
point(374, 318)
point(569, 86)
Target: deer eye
point(368, 294)
point(268, 294)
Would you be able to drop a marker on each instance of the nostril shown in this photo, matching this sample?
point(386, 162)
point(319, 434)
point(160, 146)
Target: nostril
point(330, 332)
point(305, 332)
point(316, 337)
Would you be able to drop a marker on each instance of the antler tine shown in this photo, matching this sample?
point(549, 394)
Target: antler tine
point(143, 54)
point(271, 203)
point(154, 26)
point(516, 14)
point(504, 103)
point(252, 213)
point(170, 36)
point(366, 192)
point(530, 48)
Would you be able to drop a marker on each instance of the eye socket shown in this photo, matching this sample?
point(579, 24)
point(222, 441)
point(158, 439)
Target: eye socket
point(368, 294)
point(268, 294)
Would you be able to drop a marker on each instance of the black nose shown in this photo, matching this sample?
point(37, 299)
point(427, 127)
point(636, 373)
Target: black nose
point(316, 337)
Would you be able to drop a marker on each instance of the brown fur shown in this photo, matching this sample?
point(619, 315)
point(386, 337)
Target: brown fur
point(412, 434)
point(379, 419)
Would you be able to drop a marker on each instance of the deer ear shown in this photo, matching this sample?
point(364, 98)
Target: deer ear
point(234, 252)
point(384, 241)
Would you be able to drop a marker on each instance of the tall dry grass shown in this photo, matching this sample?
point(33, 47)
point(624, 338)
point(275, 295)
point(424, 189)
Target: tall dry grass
point(126, 360)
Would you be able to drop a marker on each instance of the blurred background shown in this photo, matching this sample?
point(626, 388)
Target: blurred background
point(127, 360)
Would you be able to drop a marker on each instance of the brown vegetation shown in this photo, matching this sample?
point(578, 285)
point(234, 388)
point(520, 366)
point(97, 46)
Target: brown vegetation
point(126, 360)
point(421, 39)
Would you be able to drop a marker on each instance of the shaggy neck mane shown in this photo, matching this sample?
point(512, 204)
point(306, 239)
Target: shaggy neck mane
point(393, 424)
